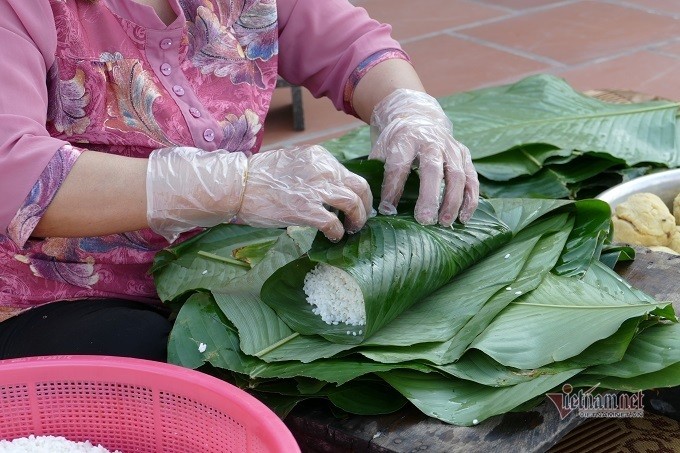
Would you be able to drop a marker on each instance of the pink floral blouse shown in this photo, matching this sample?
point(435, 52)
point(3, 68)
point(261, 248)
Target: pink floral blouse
point(111, 77)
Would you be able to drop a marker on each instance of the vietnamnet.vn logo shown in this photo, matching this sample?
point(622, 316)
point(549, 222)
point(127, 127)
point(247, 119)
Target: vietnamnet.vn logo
point(589, 404)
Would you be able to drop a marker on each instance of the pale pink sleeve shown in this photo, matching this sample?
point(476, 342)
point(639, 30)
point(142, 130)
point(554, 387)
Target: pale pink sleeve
point(323, 42)
point(28, 37)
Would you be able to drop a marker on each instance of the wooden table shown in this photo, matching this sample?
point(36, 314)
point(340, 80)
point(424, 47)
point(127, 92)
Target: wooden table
point(408, 430)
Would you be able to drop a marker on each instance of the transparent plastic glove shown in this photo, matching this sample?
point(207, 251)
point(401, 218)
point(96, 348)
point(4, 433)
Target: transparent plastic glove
point(189, 187)
point(414, 132)
point(295, 186)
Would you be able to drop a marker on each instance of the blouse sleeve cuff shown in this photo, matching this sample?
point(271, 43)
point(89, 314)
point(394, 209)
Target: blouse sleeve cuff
point(362, 69)
point(34, 206)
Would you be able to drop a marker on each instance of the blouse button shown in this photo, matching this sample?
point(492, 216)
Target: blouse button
point(166, 43)
point(195, 112)
point(209, 135)
point(166, 69)
point(179, 91)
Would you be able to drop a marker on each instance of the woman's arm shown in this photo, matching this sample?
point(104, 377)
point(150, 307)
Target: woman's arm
point(116, 184)
point(43, 180)
point(99, 193)
point(87, 193)
point(381, 80)
point(178, 189)
point(103, 194)
point(325, 46)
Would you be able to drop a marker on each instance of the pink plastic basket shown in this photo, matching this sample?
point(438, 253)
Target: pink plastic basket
point(134, 405)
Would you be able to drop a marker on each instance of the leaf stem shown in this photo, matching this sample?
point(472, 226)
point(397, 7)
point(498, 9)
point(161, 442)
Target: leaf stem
point(531, 158)
point(270, 348)
point(223, 259)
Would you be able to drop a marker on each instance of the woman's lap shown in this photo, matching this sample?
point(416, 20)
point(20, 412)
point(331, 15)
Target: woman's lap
point(98, 327)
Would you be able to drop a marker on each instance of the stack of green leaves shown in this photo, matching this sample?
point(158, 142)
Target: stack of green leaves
point(540, 138)
point(464, 323)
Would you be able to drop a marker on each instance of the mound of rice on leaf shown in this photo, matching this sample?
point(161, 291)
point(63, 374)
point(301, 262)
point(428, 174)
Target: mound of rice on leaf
point(335, 296)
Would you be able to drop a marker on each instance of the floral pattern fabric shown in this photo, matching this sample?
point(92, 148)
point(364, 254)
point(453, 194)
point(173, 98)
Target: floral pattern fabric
point(122, 83)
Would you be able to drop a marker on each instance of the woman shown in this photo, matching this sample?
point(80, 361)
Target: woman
point(129, 124)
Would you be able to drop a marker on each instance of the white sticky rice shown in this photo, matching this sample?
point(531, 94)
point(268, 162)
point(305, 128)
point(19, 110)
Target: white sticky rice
point(335, 296)
point(49, 444)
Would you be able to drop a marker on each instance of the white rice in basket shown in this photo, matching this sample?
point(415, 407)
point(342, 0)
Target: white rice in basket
point(335, 296)
point(49, 444)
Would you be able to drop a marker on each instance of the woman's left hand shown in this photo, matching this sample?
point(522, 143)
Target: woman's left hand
point(413, 131)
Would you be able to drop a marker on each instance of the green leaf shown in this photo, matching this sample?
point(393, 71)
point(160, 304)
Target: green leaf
point(591, 228)
point(518, 213)
point(335, 370)
point(391, 258)
point(519, 161)
point(542, 259)
point(666, 377)
point(613, 254)
point(201, 323)
point(538, 138)
point(373, 171)
point(258, 326)
point(467, 307)
point(243, 322)
point(308, 386)
point(652, 350)
point(463, 402)
point(304, 348)
point(443, 328)
point(287, 247)
point(544, 184)
point(439, 316)
point(538, 329)
point(201, 334)
point(367, 397)
point(478, 367)
point(352, 145)
point(582, 168)
point(608, 350)
point(605, 279)
point(545, 109)
point(207, 261)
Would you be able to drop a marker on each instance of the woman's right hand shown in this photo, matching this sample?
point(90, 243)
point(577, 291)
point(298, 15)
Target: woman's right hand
point(189, 187)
